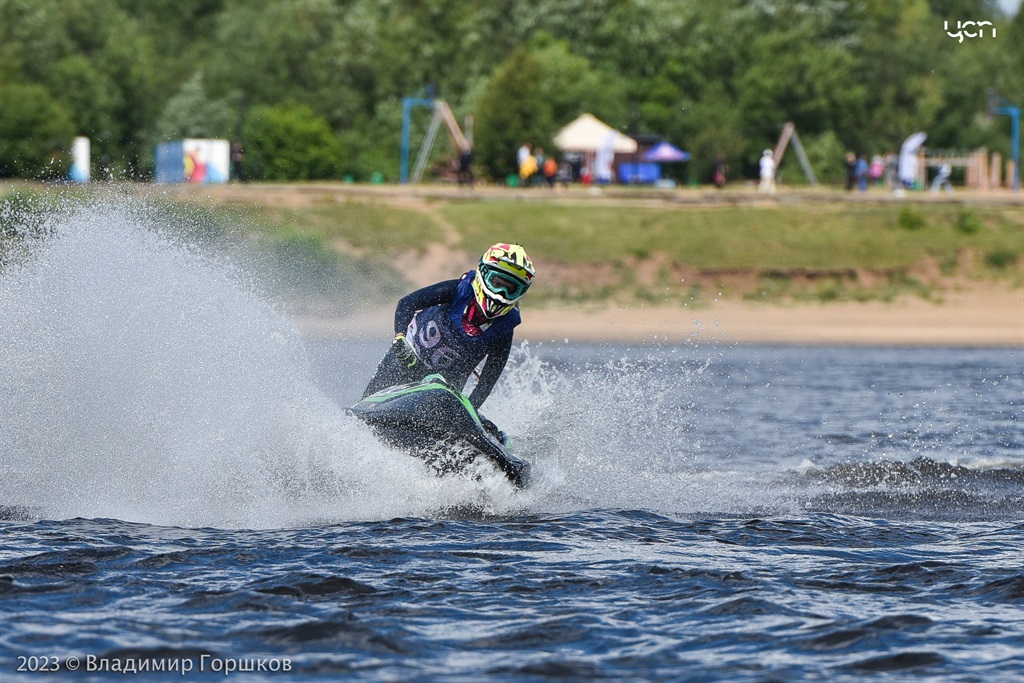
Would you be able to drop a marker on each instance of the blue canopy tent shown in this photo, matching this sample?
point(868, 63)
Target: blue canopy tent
point(665, 152)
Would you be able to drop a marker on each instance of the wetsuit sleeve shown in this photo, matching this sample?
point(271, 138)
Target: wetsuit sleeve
point(440, 293)
point(493, 367)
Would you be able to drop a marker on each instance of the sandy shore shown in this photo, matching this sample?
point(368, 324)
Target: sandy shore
point(968, 319)
point(971, 318)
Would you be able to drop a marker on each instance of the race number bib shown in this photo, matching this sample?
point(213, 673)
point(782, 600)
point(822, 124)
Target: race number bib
point(428, 344)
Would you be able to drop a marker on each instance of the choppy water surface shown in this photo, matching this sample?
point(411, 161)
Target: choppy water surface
point(179, 489)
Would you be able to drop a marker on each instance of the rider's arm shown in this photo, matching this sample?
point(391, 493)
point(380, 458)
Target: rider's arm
point(497, 356)
point(420, 299)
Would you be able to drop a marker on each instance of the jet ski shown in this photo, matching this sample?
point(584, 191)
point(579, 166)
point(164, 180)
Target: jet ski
point(434, 421)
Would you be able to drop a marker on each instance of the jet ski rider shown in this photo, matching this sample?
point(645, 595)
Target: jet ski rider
point(450, 326)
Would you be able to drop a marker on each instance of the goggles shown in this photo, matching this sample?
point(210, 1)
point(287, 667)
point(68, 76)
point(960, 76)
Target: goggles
point(502, 282)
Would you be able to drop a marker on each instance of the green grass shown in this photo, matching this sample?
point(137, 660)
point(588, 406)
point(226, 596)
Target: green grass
point(798, 250)
point(810, 236)
point(377, 227)
point(832, 289)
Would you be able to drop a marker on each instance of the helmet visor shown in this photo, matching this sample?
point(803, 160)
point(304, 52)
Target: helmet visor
point(503, 283)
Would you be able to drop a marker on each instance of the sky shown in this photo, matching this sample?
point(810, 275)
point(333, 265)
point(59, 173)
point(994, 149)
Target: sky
point(1010, 6)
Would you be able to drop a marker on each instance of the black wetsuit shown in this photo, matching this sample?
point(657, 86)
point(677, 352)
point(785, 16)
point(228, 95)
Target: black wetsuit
point(437, 341)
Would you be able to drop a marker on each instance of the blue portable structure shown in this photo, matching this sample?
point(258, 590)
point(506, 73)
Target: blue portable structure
point(645, 172)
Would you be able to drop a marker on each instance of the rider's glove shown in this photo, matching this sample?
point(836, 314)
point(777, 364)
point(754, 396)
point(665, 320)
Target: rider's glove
point(403, 350)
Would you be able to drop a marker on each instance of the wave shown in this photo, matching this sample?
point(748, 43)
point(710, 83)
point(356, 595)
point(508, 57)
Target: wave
point(920, 487)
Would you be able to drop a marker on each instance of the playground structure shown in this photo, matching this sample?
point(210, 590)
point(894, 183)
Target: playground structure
point(442, 114)
point(789, 134)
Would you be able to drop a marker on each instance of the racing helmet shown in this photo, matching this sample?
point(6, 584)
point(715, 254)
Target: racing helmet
point(502, 278)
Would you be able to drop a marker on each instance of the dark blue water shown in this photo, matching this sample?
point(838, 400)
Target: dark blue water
point(181, 493)
point(597, 594)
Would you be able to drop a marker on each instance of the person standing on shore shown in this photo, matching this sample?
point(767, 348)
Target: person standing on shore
point(862, 171)
point(237, 157)
point(851, 170)
point(527, 169)
point(941, 181)
point(891, 164)
point(767, 164)
point(721, 168)
point(466, 167)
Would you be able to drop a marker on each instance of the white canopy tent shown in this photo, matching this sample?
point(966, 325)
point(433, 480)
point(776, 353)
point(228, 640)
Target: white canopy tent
point(587, 133)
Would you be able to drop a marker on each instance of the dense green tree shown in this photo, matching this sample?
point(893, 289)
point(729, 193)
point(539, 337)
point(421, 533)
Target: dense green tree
point(291, 52)
point(570, 85)
point(807, 81)
point(84, 90)
point(290, 143)
point(721, 133)
point(511, 112)
point(35, 133)
point(712, 77)
point(191, 113)
point(92, 58)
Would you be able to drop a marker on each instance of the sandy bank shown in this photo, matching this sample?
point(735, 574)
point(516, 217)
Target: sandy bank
point(967, 319)
point(970, 318)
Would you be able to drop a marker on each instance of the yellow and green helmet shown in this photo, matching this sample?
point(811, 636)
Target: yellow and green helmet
point(502, 278)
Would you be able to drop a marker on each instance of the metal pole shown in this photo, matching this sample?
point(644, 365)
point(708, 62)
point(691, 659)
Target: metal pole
point(1014, 114)
point(1000, 105)
point(407, 104)
point(403, 174)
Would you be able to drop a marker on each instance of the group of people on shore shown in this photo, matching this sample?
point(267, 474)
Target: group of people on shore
point(882, 170)
point(536, 168)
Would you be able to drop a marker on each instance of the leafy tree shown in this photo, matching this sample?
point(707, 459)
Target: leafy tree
point(32, 38)
point(809, 86)
point(372, 144)
point(123, 58)
point(84, 90)
point(714, 127)
point(290, 143)
point(510, 113)
point(35, 133)
point(192, 114)
point(899, 55)
point(290, 52)
point(569, 85)
point(712, 77)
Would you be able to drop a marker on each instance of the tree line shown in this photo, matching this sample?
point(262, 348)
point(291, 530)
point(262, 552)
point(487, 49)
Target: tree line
point(314, 88)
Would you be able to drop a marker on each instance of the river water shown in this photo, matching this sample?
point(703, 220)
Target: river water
point(182, 493)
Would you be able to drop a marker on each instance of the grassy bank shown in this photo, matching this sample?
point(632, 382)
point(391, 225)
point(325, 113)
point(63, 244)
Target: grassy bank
point(828, 247)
